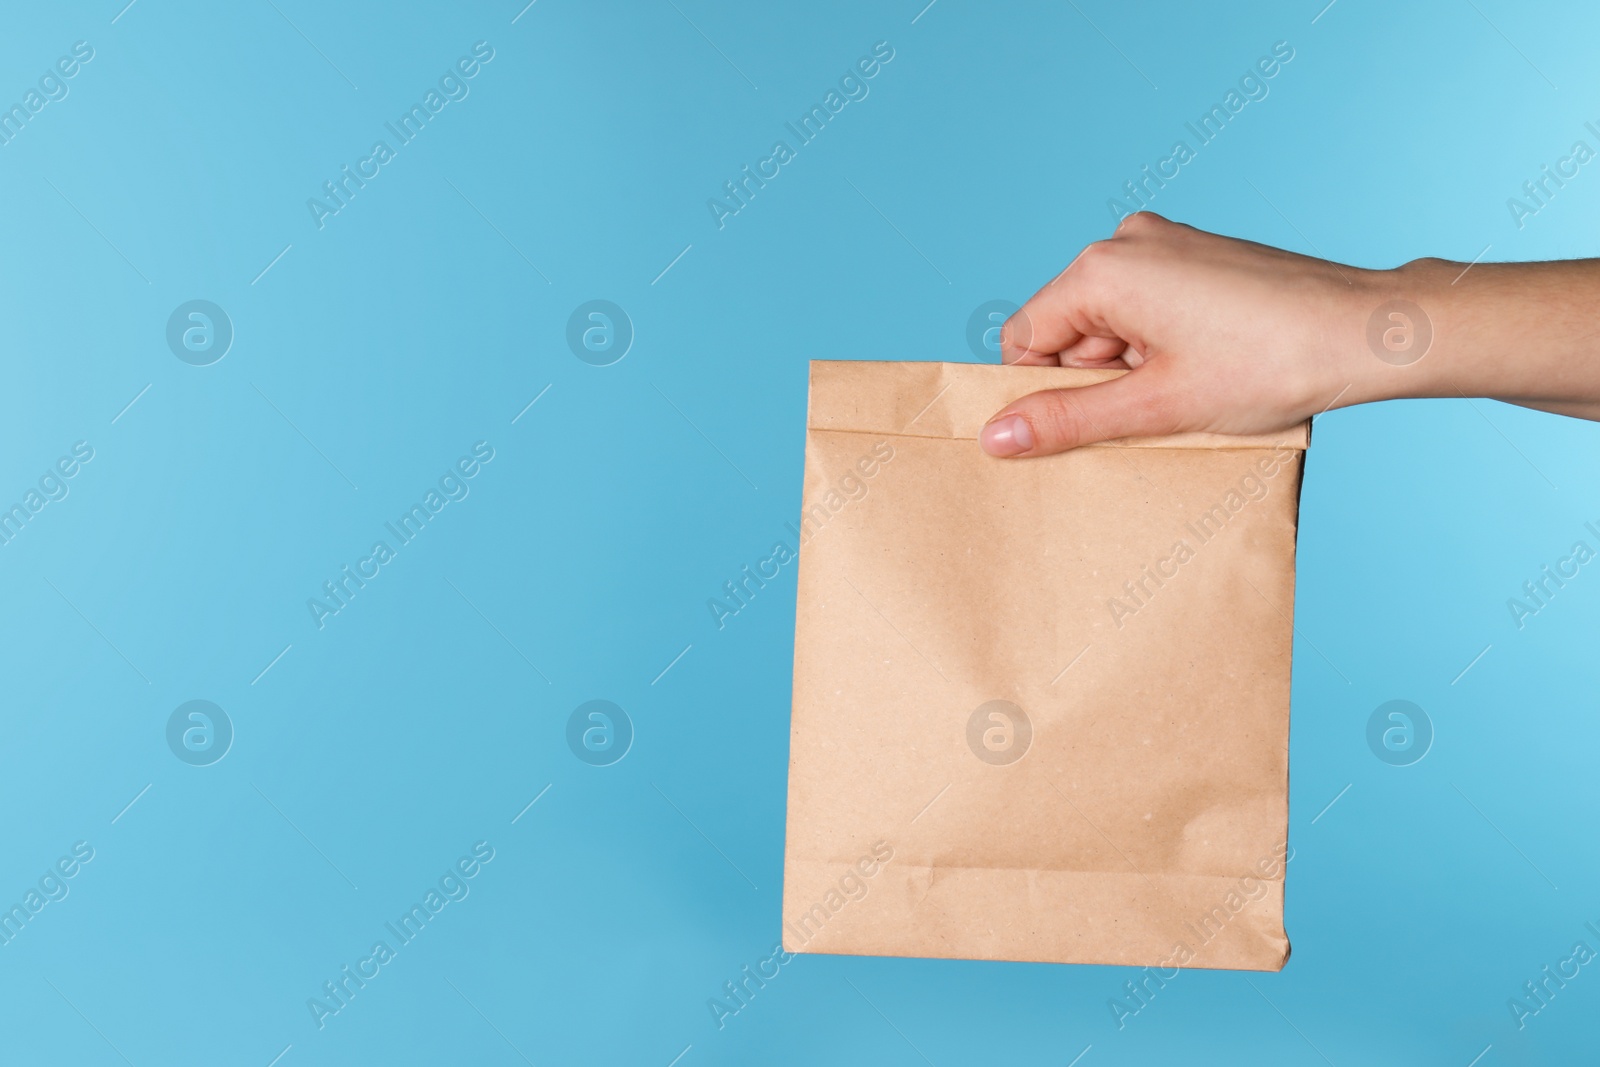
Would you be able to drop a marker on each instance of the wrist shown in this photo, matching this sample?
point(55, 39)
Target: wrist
point(1405, 332)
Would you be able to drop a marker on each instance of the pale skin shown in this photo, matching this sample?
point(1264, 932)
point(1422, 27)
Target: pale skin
point(1230, 336)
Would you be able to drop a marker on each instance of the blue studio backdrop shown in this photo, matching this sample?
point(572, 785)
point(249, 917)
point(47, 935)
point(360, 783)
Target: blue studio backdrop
point(525, 295)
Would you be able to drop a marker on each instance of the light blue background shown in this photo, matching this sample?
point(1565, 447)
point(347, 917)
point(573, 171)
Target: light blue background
point(377, 750)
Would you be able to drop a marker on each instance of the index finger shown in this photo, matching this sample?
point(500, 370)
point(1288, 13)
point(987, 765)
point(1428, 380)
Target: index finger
point(1058, 316)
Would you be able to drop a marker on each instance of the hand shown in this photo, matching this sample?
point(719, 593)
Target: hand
point(1219, 334)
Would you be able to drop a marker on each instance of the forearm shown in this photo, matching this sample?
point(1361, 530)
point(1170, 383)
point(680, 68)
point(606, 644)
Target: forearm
point(1525, 333)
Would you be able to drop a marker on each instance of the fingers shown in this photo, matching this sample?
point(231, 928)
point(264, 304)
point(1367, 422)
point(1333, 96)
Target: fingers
point(1095, 352)
point(1074, 305)
point(1067, 323)
point(1050, 321)
point(1066, 311)
point(1134, 405)
point(1090, 351)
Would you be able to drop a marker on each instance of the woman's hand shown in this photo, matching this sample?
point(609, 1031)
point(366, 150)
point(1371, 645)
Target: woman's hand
point(1229, 336)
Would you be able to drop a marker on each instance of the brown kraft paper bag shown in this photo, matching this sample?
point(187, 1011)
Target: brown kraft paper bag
point(1041, 706)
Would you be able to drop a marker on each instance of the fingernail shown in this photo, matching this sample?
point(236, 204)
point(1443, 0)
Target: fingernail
point(1010, 436)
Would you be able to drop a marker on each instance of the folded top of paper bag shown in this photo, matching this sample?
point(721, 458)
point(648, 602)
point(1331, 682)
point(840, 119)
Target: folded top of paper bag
point(955, 400)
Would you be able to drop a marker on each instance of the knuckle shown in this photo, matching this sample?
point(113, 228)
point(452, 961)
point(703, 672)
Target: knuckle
point(1137, 223)
point(1056, 421)
point(1095, 257)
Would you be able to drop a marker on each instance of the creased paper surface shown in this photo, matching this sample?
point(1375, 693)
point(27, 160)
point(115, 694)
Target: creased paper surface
point(1041, 707)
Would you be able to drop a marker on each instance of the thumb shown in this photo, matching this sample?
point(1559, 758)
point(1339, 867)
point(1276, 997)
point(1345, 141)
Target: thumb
point(1040, 424)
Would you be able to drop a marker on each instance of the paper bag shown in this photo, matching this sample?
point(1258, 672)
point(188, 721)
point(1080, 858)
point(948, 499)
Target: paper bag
point(1041, 706)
